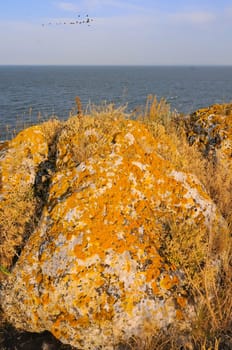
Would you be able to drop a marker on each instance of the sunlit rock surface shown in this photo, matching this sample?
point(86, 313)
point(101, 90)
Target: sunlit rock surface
point(96, 271)
point(19, 162)
point(211, 129)
point(21, 157)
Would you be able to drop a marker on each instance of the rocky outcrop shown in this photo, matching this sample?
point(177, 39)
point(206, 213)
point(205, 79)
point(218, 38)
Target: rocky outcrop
point(211, 129)
point(25, 165)
point(100, 267)
point(19, 160)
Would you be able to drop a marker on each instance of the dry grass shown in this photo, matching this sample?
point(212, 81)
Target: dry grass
point(90, 132)
point(16, 212)
point(219, 185)
point(211, 291)
point(23, 121)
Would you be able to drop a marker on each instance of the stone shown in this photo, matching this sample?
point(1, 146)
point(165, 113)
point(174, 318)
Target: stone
point(98, 269)
point(22, 163)
point(19, 160)
point(211, 129)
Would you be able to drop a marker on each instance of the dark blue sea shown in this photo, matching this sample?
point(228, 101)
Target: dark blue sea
point(28, 93)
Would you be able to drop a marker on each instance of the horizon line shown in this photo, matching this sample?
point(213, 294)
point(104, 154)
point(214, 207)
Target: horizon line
point(113, 65)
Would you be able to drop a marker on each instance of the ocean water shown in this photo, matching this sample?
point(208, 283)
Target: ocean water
point(31, 92)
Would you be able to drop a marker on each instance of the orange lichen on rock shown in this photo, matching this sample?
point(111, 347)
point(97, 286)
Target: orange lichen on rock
point(26, 151)
point(211, 129)
point(18, 167)
point(167, 281)
point(95, 270)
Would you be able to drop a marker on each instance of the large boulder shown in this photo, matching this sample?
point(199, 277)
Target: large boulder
point(100, 267)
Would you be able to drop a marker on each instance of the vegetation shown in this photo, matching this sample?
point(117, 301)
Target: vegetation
point(212, 329)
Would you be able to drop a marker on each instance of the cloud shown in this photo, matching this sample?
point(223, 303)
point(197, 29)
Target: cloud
point(193, 17)
point(99, 4)
point(67, 6)
point(137, 37)
point(113, 3)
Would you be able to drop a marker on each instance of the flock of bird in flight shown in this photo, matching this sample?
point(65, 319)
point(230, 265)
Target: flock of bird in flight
point(83, 20)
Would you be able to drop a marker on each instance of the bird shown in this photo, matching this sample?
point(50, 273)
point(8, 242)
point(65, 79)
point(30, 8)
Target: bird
point(81, 20)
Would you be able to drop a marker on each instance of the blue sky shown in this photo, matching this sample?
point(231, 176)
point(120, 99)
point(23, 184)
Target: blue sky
point(145, 32)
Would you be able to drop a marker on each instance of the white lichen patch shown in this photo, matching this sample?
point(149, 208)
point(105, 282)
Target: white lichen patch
point(203, 205)
point(141, 166)
point(130, 138)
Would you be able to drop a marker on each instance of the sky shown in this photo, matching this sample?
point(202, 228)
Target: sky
point(123, 32)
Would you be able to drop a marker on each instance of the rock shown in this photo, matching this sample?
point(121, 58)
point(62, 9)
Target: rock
point(19, 160)
point(23, 155)
point(29, 341)
point(211, 129)
point(100, 267)
point(21, 168)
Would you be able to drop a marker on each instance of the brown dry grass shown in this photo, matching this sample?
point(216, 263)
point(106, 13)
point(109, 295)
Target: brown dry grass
point(15, 222)
point(212, 291)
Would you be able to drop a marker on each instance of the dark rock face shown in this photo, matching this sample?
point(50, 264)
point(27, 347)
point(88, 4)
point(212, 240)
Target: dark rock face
point(19, 340)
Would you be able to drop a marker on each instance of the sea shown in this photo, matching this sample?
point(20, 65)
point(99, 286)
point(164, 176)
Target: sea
point(29, 94)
